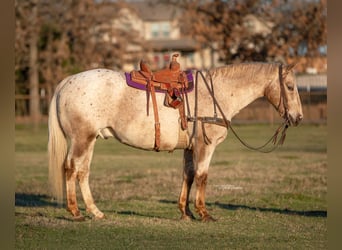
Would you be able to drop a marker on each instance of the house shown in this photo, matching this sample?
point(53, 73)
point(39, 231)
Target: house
point(158, 26)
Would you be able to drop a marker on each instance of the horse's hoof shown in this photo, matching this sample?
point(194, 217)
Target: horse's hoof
point(208, 218)
point(95, 211)
point(188, 218)
point(99, 216)
point(78, 218)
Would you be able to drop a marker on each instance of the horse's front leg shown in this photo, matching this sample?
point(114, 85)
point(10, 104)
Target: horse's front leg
point(188, 178)
point(202, 159)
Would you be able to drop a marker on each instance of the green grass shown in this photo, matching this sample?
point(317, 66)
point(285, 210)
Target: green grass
point(261, 201)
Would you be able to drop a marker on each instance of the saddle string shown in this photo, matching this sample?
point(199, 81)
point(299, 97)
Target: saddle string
point(148, 98)
point(226, 123)
point(151, 89)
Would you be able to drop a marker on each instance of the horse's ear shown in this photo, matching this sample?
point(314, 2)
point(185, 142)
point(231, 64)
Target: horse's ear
point(288, 68)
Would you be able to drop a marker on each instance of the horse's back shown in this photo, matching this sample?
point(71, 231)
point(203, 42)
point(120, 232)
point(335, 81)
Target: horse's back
point(89, 95)
point(92, 84)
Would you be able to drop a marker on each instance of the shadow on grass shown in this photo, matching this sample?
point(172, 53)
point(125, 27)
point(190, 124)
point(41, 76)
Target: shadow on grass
point(310, 213)
point(33, 200)
point(37, 200)
point(130, 213)
point(41, 200)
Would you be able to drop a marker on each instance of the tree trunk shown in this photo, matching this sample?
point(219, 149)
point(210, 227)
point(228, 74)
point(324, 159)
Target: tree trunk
point(33, 77)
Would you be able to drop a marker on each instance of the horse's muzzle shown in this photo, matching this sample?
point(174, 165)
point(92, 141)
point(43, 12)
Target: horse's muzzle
point(294, 121)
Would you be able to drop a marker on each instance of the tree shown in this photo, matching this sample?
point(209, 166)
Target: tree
point(58, 38)
point(34, 81)
point(219, 25)
point(224, 27)
point(26, 43)
point(301, 29)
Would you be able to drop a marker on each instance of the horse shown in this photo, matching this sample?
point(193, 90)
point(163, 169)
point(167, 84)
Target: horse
point(98, 103)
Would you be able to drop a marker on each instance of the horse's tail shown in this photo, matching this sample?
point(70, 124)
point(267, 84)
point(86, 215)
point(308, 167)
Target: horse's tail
point(57, 150)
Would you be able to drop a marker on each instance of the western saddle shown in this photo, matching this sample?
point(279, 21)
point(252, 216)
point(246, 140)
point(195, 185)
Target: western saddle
point(170, 80)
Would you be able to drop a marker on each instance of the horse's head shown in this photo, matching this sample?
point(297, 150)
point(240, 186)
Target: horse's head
point(283, 94)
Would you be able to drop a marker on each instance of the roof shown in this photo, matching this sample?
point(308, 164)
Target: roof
point(155, 11)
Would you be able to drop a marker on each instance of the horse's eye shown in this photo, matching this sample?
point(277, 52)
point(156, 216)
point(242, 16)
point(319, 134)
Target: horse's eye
point(290, 86)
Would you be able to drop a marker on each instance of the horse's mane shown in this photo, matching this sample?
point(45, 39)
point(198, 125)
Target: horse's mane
point(246, 70)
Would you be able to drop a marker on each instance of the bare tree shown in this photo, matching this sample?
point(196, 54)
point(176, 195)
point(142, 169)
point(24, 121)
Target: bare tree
point(27, 51)
point(34, 81)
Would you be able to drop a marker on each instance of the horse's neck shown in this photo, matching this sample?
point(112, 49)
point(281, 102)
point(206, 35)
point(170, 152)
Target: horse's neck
point(238, 94)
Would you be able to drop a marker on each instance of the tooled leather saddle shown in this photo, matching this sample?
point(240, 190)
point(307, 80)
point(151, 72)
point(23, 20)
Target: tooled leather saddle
point(172, 81)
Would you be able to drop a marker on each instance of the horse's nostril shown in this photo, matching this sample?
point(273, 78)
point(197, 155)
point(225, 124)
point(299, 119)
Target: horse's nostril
point(300, 117)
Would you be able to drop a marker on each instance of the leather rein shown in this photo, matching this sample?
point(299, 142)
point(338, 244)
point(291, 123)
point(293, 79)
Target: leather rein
point(224, 122)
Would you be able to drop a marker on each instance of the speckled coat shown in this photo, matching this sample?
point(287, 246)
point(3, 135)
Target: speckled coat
point(99, 104)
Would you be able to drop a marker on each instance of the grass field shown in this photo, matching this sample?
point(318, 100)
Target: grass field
point(261, 201)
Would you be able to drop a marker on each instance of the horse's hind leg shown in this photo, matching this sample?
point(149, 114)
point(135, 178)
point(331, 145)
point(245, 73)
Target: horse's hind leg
point(70, 177)
point(77, 166)
point(83, 178)
point(188, 178)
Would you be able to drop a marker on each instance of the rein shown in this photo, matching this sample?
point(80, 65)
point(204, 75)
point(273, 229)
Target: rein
point(226, 123)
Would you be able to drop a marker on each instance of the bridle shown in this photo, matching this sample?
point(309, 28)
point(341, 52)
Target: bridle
point(283, 101)
point(227, 123)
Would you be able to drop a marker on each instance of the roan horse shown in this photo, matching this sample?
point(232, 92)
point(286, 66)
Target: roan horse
point(98, 103)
